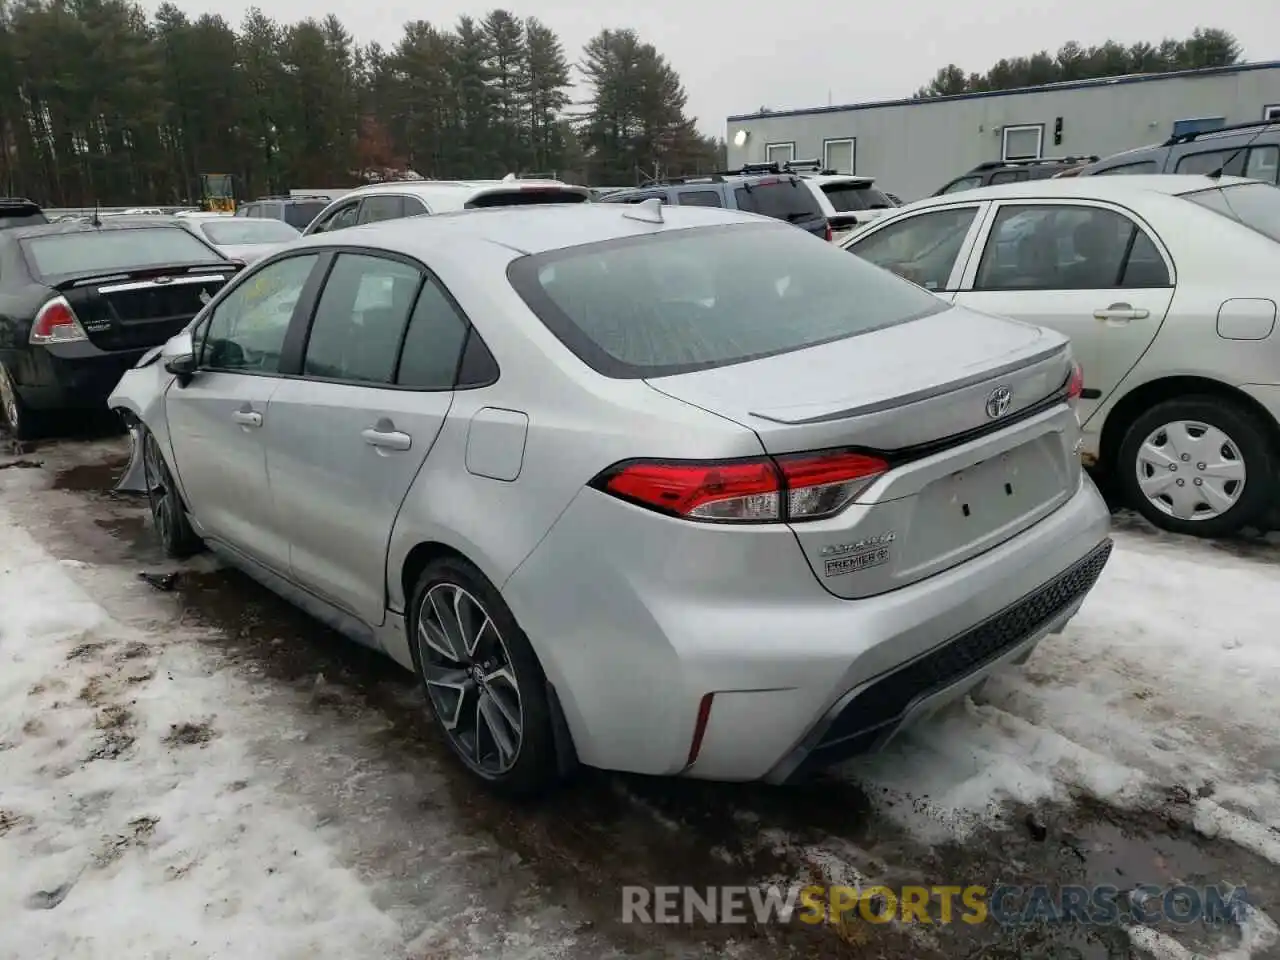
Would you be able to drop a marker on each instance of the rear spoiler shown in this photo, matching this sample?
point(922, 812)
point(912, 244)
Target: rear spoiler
point(176, 273)
point(516, 187)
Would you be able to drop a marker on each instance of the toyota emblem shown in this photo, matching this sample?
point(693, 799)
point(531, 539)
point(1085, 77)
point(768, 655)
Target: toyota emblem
point(999, 402)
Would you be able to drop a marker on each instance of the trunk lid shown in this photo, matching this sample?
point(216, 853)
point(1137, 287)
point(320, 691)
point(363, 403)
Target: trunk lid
point(961, 480)
point(138, 309)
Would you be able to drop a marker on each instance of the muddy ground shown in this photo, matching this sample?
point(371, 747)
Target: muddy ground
point(378, 769)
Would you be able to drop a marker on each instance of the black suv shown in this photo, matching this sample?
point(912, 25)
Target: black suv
point(763, 188)
point(1238, 150)
point(18, 212)
point(1013, 171)
point(298, 212)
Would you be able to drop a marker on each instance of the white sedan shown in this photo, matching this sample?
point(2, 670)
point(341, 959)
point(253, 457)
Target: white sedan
point(1167, 286)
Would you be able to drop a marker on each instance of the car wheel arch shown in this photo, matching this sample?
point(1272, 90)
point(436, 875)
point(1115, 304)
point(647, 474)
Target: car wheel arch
point(416, 561)
point(1131, 406)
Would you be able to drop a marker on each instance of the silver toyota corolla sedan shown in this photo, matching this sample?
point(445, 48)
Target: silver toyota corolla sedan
point(671, 490)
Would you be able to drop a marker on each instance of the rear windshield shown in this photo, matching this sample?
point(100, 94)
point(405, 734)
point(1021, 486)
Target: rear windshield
point(230, 231)
point(299, 215)
point(21, 217)
point(1256, 205)
point(527, 197)
point(709, 297)
point(846, 197)
point(103, 252)
point(790, 200)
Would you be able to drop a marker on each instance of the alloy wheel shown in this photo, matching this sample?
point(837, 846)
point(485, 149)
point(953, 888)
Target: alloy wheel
point(469, 678)
point(159, 491)
point(1190, 470)
point(9, 401)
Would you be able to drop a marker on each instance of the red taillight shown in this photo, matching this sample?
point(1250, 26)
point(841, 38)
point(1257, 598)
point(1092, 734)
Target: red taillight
point(764, 490)
point(830, 235)
point(744, 491)
point(56, 322)
point(1075, 386)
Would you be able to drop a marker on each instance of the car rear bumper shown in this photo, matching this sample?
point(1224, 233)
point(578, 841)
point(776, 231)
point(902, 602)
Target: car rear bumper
point(635, 646)
point(69, 375)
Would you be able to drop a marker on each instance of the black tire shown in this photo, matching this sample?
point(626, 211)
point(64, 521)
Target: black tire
point(168, 512)
point(534, 767)
point(19, 420)
point(1246, 431)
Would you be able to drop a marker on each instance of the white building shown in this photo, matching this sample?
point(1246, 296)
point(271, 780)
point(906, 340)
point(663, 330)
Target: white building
point(913, 147)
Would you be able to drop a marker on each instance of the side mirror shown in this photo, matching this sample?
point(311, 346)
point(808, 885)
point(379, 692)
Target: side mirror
point(179, 357)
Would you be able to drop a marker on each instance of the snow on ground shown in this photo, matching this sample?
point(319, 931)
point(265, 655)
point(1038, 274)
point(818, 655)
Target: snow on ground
point(1164, 681)
point(133, 822)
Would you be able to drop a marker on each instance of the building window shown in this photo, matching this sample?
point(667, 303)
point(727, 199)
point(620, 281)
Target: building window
point(1198, 125)
point(1022, 141)
point(838, 155)
point(1271, 111)
point(779, 153)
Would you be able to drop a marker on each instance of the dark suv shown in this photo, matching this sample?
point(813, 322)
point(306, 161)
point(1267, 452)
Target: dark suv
point(1239, 150)
point(297, 212)
point(762, 188)
point(18, 212)
point(1013, 171)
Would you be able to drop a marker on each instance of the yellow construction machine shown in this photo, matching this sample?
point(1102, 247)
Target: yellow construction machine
point(217, 193)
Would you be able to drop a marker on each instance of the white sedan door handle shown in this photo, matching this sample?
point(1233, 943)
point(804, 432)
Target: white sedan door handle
point(387, 439)
point(247, 418)
point(1122, 312)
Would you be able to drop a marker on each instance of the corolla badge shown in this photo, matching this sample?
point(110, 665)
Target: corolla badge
point(999, 402)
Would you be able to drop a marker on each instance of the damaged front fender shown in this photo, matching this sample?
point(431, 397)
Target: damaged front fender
point(139, 400)
point(135, 475)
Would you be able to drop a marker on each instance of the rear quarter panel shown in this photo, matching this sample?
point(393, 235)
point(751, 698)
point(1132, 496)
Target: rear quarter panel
point(579, 423)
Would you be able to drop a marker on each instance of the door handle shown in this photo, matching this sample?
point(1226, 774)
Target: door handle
point(1121, 311)
point(387, 439)
point(247, 418)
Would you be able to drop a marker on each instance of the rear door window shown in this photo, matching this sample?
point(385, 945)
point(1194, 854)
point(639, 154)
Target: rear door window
point(1068, 247)
point(922, 248)
point(343, 217)
point(300, 214)
point(790, 200)
point(848, 197)
point(360, 319)
point(698, 198)
point(413, 207)
point(744, 291)
point(381, 208)
point(433, 345)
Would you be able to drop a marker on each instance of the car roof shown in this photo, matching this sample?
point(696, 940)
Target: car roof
point(427, 189)
point(1099, 188)
point(530, 229)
